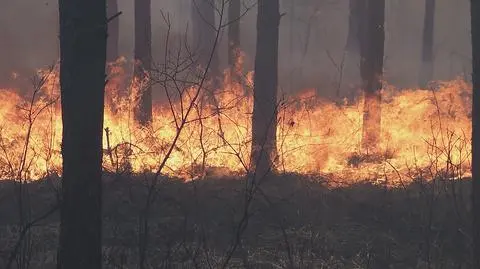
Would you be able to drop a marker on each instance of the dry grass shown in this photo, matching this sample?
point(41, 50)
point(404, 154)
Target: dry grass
point(295, 223)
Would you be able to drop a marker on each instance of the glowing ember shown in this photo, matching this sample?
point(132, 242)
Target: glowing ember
point(425, 133)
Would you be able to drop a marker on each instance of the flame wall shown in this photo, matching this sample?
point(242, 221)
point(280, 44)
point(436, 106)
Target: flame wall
point(424, 132)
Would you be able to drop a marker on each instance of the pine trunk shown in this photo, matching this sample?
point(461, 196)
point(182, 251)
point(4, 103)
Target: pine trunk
point(371, 69)
point(83, 45)
point(426, 71)
point(356, 22)
point(234, 36)
point(475, 24)
point(204, 33)
point(264, 119)
point(143, 60)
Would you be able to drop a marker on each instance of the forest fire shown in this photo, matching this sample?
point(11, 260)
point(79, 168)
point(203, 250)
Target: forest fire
point(425, 133)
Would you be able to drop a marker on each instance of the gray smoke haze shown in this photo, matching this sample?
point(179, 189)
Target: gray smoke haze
point(28, 38)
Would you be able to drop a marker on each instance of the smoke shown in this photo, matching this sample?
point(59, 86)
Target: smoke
point(312, 39)
point(28, 38)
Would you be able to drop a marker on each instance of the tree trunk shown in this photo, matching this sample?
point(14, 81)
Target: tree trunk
point(143, 60)
point(264, 119)
point(356, 21)
point(371, 69)
point(204, 33)
point(83, 45)
point(234, 37)
point(291, 46)
point(475, 24)
point(426, 71)
point(113, 31)
point(114, 83)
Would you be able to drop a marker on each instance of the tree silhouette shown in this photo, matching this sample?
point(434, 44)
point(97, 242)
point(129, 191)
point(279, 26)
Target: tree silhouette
point(83, 42)
point(233, 35)
point(264, 118)
point(204, 32)
point(426, 70)
point(143, 60)
point(371, 69)
point(475, 24)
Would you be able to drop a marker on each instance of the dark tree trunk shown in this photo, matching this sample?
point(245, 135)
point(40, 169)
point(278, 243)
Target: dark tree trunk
point(143, 60)
point(114, 84)
point(426, 71)
point(113, 31)
point(475, 24)
point(204, 33)
point(356, 21)
point(371, 69)
point(234, 36)
point(264, 119)
point(83, 46)
point(291, 45)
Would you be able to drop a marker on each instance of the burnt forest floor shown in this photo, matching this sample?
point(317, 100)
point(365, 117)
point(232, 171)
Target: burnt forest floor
point(292, 221)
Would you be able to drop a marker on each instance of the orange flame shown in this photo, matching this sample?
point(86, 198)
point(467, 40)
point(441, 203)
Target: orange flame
point(424, 133)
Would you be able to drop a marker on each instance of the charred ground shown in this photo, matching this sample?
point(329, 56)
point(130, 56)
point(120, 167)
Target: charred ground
point(294, 221)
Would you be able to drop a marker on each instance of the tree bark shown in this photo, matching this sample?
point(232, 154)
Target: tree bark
point(264, 119)
point(143, 60)
point(291, 45)
point(356, 22)
point(371, 69)
point(426, 71)
point(113, 31)
point(234, 37)
point(475, 28)
point(204, 33)
point(83, 45)
point(114, 85)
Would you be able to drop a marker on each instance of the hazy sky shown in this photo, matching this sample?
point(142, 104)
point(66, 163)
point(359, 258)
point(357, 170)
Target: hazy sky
point(28, 37)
